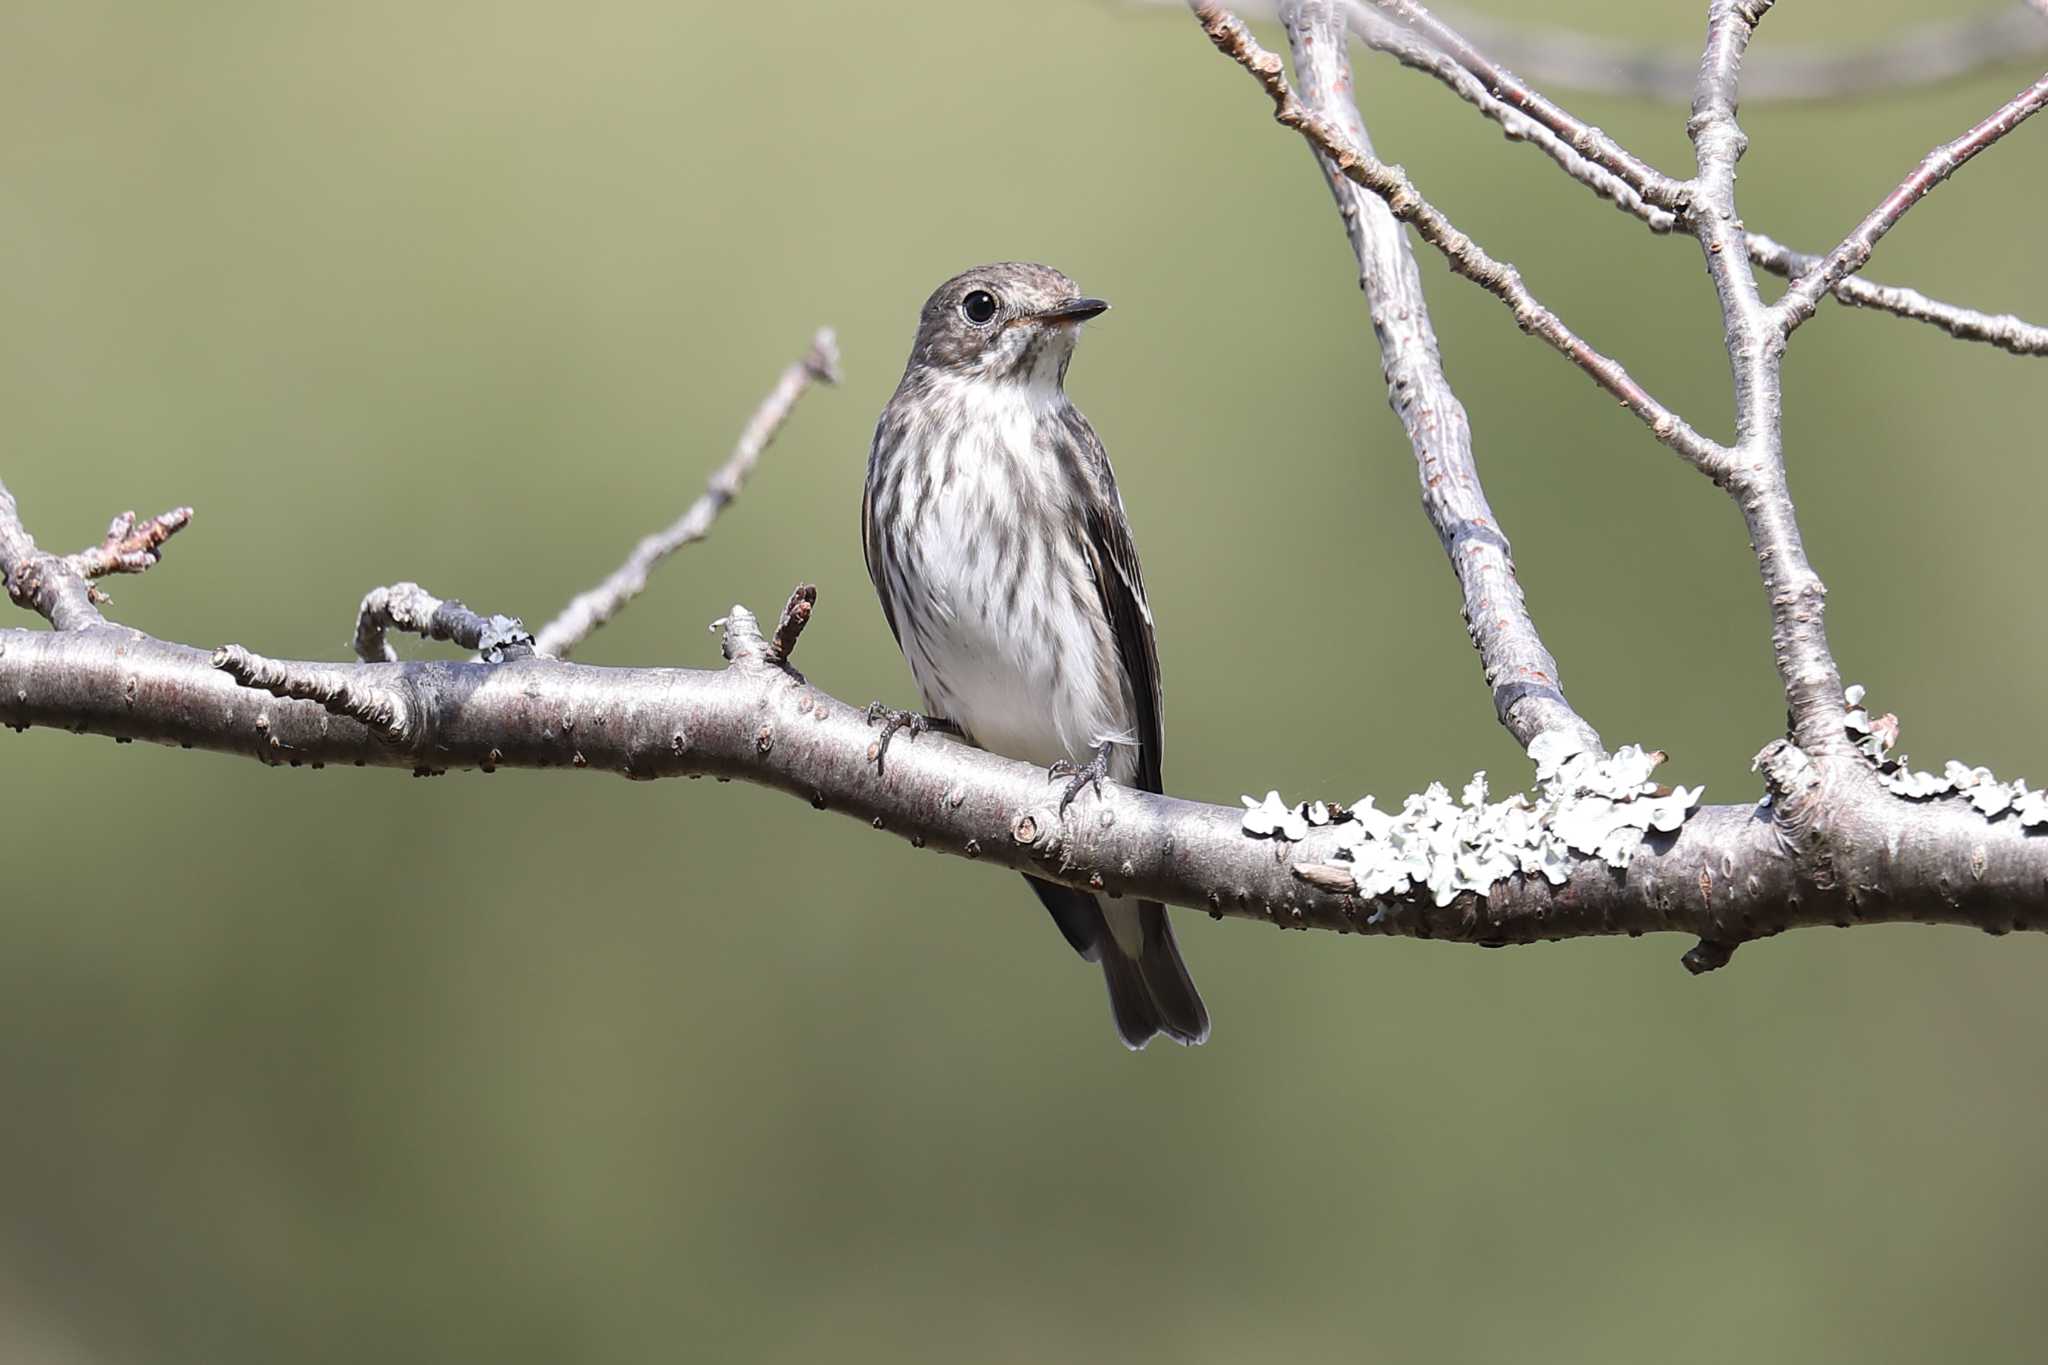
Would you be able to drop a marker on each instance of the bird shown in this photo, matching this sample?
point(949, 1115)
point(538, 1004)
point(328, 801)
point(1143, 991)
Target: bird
point(997, 542)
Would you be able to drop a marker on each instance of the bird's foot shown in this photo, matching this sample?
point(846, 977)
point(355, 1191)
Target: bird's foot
point(1089, 774)
point(893, 720)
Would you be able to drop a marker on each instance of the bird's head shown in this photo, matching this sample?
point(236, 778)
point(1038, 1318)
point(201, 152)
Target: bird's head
point(1014, 322)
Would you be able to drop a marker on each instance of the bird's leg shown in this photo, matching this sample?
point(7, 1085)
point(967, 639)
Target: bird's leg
point(893, 720)
point(1089, 774)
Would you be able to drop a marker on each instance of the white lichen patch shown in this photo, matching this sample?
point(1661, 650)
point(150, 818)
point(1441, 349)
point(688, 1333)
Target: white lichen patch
point(1585, 806)
point(1274, 818)
point(1979, 786)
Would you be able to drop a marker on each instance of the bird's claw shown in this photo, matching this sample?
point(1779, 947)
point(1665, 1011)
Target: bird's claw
point(892, 720)
point(1080, 776)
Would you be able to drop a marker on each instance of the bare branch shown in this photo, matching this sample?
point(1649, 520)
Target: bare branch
point(2003, 330)
point(1913, 58)
point(795, 616)
point(1916, 57)
point(411, 608)
point(1725, 876)
point(1854, 251)
point(589, 610)
point(1558, 139)
point(1465, 256)
point(1528, 695)
point(378, 703)
point(129, 547)
point(1589, 143)
point(46, 584)
point(1756, 350)
point(1397, 40)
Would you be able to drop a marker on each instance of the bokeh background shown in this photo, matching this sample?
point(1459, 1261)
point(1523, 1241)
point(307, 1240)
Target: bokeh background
point(476, 292)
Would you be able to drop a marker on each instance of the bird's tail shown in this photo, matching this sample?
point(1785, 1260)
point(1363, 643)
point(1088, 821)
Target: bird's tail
point(1150, 991)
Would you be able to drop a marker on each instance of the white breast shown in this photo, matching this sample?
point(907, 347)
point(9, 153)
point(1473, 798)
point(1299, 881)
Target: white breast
point(1012, 642)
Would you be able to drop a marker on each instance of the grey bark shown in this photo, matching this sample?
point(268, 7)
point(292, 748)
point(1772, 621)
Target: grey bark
point(1732, 873)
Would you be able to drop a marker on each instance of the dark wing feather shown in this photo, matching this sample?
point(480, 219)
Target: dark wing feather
point(888, 436)
point(871, 550)
point(1106, 538)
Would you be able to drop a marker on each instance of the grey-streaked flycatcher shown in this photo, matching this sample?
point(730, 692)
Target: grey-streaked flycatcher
point(998, 544)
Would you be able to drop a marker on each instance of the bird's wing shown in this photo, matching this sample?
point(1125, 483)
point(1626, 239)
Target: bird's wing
point(1106, 539)
point(871, 550)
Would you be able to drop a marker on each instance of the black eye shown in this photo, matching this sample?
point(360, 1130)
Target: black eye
point(978, 307)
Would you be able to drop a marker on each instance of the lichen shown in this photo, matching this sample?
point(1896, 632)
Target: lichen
point(1586, 805)
point(1979, 786)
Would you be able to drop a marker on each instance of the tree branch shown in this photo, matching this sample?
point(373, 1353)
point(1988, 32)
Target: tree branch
point(1853, 254)
point(1528, 694)
point(1727, 875)
point(1501, 97)
point(1589, 143)
point(1913, 58)
point(59, 588)
point(1465, 256)
point(1917, 57)
point(589, 610)
point(411, 608)
point(2003, 330)
point(1601, 849)
point(1756, 351)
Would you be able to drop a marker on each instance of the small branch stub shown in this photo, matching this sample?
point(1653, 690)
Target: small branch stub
point(411, 608)
point(795, 616)
point(129, 546)
point(340, 690)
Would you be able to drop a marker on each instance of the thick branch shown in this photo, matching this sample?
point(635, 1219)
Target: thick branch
point(1756, 351)
point(1527, 692)
point(46, 584)
point(1464, 255)
point(1726, 876)
point(589, 610)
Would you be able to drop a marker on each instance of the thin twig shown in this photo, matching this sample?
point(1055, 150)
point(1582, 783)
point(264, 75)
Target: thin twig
point(129, 546)
point(1559, 137)
point(1595, 146)
point(589, 610)
point(2008, 333)
point(1465, 256)
point(795, 616)
point(1400, 42)
point(1938, 165)
point(411, 608)
point(1528, 694)
point(1912, 58)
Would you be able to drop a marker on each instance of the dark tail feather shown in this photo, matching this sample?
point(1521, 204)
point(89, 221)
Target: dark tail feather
point(1130, 1001)
point(1150, 993)
point(1075, 912)
point(1182, 1016)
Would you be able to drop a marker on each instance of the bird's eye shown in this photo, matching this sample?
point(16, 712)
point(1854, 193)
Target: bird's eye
point(978, 307)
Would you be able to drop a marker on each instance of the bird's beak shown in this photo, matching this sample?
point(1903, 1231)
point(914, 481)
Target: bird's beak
point(1073, 310)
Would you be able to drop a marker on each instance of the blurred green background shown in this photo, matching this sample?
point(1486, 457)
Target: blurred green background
point(475, 293)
